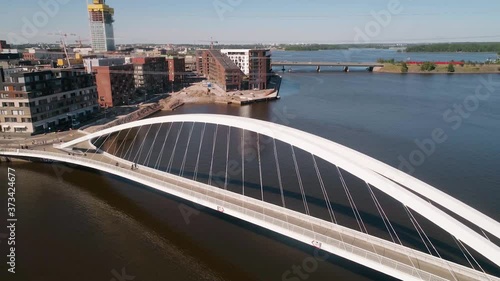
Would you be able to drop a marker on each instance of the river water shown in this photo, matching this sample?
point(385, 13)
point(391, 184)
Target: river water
point(77, 224)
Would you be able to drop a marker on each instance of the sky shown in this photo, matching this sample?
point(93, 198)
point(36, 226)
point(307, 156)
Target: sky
point(259, 21)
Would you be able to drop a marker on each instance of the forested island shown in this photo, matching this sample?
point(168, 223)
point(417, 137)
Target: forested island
point(322, 47)
point(486, 47)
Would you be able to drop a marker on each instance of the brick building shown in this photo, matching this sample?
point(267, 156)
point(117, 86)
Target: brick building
point(255, 63)
point(150, 74)
point(115, 84)
point(221, 70)
point(176, 69)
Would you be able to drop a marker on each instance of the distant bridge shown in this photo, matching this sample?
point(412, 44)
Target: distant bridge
point(392, 258)
point(345, 65)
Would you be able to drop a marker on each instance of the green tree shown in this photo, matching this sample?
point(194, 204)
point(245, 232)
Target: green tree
point(451, 68)
point(428, 66)
point(404, 67)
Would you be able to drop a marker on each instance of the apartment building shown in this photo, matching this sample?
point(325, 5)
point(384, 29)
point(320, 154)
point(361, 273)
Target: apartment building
point(176, 69)
point(220, 69)
point(41, 101)
point(115, 84)
point(255, 64)
point(151, 74)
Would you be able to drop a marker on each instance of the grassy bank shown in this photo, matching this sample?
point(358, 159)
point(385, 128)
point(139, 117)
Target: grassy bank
point(486, 68)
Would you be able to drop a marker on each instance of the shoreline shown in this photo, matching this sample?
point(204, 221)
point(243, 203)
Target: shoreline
point(200, 94)
point(432, 73)
point(441, 69)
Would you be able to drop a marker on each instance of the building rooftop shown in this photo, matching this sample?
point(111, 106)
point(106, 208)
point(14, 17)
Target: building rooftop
point(224, 60)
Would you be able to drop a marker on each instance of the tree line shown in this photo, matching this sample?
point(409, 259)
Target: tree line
point(491, 47)
point(322, 47)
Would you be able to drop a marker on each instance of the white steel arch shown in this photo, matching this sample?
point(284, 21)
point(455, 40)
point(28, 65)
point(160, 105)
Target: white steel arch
point(374, 172)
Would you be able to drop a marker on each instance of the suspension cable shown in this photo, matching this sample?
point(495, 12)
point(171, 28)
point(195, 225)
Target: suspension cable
point(100, 146)
point(150, 152)
point(484, 233)
point(391, 226)
point(171, 162)
point(186, 152)
point(323, 190)
point(132, 144)
point(141, 147)
point(213, 152)
point(260, 167)
point(122, 143)
point(160, 155)
point(357, 215)
point(199, 152)
point(299, 179)
point(111, 145)
point(379, 210)
point(227, 157)
point(279, 173)
point(430, 242)
point(474, 259)
point(418, 231)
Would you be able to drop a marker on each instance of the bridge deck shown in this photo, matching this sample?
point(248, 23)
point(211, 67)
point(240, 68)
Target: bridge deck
point(332, 238)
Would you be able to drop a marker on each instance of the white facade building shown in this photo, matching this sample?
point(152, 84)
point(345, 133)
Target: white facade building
point(241, 57)
point(90, 63)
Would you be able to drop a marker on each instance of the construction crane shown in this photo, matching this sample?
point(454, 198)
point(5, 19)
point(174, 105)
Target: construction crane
point(212, 42)
point(80, 40)
point(63, 42)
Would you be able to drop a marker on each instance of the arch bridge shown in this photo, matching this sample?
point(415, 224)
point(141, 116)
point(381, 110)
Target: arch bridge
point(132, 151)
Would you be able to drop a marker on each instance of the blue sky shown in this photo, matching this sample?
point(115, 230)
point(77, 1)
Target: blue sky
point(266, 21)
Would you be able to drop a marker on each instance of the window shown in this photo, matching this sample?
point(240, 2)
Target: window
point(4, 112)
point(10, 119)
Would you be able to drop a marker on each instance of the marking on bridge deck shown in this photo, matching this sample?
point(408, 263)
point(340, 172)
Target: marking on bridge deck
point(317, 244)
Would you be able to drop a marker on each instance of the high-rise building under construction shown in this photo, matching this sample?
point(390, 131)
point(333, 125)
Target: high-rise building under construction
point(101, 26)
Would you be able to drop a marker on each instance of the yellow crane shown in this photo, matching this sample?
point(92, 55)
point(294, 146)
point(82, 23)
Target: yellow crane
point(63, 42)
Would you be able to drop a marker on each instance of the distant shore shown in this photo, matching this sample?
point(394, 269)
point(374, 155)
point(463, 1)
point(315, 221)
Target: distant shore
point(441, 69)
